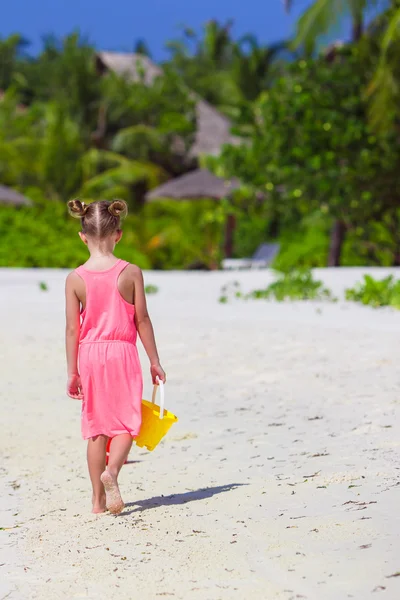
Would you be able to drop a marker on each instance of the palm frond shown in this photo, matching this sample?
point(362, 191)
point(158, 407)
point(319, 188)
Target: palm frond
point(95, 160)
point(321, 17)
point(383, 90)
point(392, 34)
point(124, 175)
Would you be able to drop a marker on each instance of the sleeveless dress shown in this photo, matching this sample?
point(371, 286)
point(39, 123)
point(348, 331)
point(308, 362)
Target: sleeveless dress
point(109, 364)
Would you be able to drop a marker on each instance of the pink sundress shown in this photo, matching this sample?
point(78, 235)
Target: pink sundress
point(109, 364)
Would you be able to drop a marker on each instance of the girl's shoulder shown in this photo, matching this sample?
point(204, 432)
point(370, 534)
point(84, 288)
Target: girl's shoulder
point(131, 272)
point(73, 278)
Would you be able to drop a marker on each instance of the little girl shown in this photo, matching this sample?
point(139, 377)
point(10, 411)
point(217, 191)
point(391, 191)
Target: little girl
point(105, 309)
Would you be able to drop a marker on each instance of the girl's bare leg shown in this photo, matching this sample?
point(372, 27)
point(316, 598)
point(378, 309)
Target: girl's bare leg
point(96, 457)
point(119, 450)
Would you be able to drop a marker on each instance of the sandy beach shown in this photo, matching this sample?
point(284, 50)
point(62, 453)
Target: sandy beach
point(280, 480)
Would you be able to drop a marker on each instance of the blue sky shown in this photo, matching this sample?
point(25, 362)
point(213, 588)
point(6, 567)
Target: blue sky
point(117, 25)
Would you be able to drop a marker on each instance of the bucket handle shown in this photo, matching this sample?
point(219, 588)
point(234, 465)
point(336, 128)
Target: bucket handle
point(162, 396)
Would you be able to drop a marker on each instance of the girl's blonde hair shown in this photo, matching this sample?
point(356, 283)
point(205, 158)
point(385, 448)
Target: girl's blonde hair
point(101, 218)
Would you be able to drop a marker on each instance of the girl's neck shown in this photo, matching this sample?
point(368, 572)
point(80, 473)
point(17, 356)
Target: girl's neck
point(98, 254)
point(101, 249)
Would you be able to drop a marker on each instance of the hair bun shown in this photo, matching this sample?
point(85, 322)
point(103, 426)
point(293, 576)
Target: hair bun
point(77, 208)
point(118, 208)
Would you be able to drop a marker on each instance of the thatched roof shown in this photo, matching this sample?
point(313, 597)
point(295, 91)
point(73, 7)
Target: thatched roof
point(194, 185)
point(213, 128)
point(131, 66)
point(11, 197)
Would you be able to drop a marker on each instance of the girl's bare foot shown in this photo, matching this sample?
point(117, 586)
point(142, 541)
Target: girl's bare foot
point(99, 505)
point(114, 502)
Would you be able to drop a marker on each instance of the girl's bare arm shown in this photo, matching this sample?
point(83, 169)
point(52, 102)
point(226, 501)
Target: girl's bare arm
point(72, 313)
point(145, 327)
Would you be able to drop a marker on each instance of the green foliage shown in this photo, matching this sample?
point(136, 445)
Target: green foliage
point(151, 289)
point(64, 73)
point(376, 293)
point(10, 51)
point(251, 230)
point(310, 156)
point(45, 236)
point(82, 134)
point(294, 285)
point(223, 71)
point(305, 246)
point(311, 149)
point(179, 235)
point(144, 121)
point(43, 286)
point(321, 17)
point(165, 235)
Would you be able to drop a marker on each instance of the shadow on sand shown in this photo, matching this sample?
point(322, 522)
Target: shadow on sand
point(177, 499)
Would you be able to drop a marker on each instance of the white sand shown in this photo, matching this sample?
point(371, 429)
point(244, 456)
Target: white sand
point(280, 480)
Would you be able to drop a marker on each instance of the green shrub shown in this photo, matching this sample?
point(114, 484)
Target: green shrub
point(165, 235)
point(295, 285)
point(151, 289)
point(46, 236)
point(376, 293)
point(251, 230)
point(177, 234)
point(306, 247)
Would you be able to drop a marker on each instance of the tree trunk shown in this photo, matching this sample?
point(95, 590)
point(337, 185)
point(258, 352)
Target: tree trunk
point(229, 233)
point(357, 28)
point(98, 137)
point(337, 238)
point(394, 229)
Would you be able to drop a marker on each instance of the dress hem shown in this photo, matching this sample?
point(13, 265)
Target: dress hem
point(134, 434)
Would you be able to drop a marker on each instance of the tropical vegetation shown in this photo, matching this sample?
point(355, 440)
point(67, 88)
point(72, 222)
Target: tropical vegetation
point(316, 149)
point(298, 284)
point(376, 292)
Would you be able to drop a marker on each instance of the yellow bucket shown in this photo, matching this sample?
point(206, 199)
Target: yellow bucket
point(156, 421)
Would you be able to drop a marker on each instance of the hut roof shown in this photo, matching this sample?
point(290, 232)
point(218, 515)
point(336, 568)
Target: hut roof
point(12, 197)
point(196, 184)
point(131, 66)
point(213, 128)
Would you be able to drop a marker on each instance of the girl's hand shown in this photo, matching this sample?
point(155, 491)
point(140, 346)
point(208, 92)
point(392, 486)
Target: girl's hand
point(157, 371)
point(74, 387)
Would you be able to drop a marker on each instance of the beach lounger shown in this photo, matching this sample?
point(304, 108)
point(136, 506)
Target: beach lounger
point(261, 259)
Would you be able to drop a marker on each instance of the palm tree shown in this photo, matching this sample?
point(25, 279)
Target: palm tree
point(384, 90)
point(254, 65)
point(221, 70)
point(323, 15)
point(65, 71)
point(204, 62)
point(43, 147)
point(11, 50)
point(154, 123)
point(141, 47)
